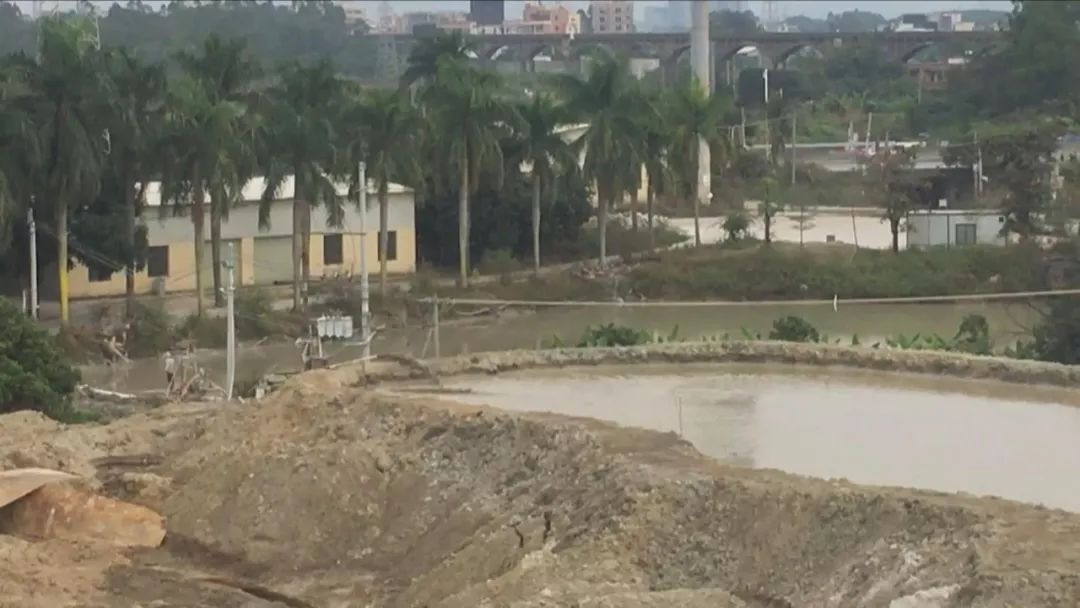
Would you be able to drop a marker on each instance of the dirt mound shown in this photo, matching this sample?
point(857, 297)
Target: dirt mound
point(366, 497)
point(327, 496)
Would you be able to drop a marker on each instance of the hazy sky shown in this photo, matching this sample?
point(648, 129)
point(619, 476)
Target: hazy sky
point(787, 8)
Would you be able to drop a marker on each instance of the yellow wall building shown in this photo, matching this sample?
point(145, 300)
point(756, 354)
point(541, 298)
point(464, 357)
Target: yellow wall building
point(264, 256)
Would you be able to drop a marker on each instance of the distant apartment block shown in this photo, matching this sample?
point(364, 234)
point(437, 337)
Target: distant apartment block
point(612, 16)
point(487, 12)
point(537, 18)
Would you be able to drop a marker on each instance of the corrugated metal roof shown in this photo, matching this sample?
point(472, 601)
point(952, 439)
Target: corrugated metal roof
point(255, 187)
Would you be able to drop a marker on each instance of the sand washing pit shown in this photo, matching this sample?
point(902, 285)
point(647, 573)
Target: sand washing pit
point(331, 495)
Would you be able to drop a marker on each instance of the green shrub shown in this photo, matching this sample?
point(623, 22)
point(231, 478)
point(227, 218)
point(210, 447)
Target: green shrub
point(1057, 335)
point(255, 314)
point(151, 332)
point(205, 332)
point(794, 329)
point(973, 336)
point(736, 225)
point(33, 372)
point(612, 335)
point(501, 263)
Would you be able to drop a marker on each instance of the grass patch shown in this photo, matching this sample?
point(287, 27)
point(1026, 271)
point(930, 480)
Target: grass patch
point(787, 272)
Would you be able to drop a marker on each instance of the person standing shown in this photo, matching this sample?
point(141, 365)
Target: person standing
point(170, 372)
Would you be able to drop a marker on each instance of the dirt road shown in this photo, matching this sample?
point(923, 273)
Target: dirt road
point(331, 495)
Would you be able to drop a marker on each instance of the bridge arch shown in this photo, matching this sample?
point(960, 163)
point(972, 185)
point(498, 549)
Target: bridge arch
point(495, 51)
point(536, 51)
point(809, 48)
point(582, 51)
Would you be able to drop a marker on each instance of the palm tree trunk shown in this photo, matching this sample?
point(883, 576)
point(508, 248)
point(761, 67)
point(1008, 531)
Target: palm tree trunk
point(895, 226)
point(463, 224)
point(536, 221)
point(197, 221)
point(696, 154)
point(216, 201)
point(129, 240)
point(697, 221)
point(384, 231)
point(633, 209)
point(62, 259)
point(602, 225)
point(649, 196)
point(297, 248)
point(305, 250)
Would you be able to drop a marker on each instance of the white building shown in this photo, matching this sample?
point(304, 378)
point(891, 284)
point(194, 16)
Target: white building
point(263, 254)
point(954, 228)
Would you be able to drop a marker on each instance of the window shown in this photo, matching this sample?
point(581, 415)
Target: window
point(331, 252)
point(157, 261)
point(98, 273)
point(965, 234)
point(391, 246)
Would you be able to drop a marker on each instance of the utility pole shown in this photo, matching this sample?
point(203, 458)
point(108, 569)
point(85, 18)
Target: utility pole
point(230, 322)
point(700, 53)
point(869, 129)
point(33, 261)
point(794, 117)
point(976, 167)
point(365, 335)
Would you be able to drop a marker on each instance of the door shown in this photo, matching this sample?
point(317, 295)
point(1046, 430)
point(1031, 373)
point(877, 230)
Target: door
point(273, 259)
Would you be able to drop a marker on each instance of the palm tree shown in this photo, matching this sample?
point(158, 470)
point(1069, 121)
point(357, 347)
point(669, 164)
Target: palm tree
point(543, 147)
point(65, 106)
point(470, 118)
point(137, 99)
point(229, 74)
point(299, 137)
point(425, 56)
point(17, 145)
point(391, 129)
point(655, 145)
point(695, 116)
point(197, 130)
point(604, 98)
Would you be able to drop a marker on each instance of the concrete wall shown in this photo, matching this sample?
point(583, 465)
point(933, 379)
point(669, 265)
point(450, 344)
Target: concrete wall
point(242, 228)
point(935, 229)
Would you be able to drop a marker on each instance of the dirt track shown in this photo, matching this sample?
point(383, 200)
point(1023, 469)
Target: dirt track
point(329, 495)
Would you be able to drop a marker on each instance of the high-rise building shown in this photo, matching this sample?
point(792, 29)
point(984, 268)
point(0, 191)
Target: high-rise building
point(678, 15)
point(612, 16)
point(543, 19)
point(487, 12)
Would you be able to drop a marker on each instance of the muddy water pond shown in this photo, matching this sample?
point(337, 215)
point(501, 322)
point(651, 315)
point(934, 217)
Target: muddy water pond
point(524, 329)
point(983, 438)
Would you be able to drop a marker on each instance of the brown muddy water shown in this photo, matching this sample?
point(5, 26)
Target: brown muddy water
point(518, 328)
point(979, 437)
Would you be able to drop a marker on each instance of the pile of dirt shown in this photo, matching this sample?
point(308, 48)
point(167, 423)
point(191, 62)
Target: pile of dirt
point(328, 496)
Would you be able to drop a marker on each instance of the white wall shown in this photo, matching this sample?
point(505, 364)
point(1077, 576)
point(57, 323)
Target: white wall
point(243, 220)
point(939, 229)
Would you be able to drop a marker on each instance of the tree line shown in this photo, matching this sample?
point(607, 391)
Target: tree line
point(84, 127)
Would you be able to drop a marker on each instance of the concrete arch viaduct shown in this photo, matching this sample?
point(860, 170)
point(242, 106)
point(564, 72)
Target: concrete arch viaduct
point(667, 48)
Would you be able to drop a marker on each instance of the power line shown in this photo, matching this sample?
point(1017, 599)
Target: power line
point(1017, 295)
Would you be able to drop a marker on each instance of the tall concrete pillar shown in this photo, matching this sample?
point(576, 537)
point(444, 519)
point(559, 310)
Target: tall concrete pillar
point(699, 61)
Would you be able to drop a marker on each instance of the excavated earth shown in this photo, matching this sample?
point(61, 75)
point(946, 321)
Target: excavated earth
point(334, 493)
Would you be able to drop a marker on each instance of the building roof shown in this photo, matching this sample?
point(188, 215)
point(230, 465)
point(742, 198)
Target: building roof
point(255, 187)
point(947, 211)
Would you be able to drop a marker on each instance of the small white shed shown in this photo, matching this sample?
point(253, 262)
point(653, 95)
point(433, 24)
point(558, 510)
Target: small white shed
point(955, 227)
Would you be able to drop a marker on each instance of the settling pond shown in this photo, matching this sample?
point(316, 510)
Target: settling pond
point(979, 437)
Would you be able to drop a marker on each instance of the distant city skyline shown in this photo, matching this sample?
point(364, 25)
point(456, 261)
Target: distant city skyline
point(785, 8)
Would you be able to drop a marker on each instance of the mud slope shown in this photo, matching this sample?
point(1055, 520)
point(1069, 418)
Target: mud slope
point(328, 496)
point(344, 498)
